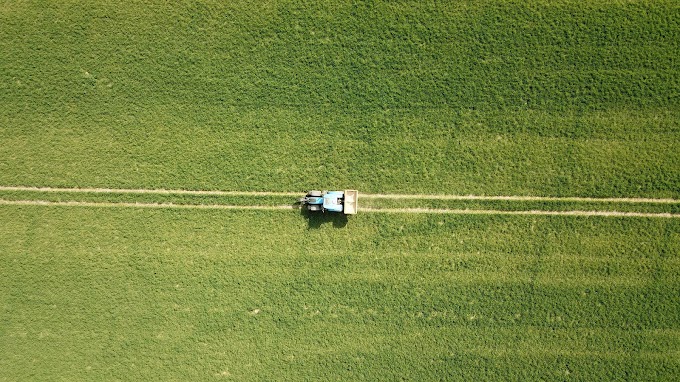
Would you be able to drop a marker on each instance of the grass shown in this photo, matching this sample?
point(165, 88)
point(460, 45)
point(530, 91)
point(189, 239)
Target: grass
point(172, 295)
point(532, 98)
point(547, 98)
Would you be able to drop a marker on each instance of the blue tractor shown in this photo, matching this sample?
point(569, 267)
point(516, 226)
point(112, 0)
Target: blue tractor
point(333, 201)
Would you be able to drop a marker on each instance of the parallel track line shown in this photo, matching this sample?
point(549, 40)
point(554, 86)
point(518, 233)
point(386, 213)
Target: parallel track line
point(521, 198)
point(366, 209)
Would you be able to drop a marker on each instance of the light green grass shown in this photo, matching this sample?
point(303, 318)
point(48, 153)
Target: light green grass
point(562, 98)
point(536, 98)
point(110, 293)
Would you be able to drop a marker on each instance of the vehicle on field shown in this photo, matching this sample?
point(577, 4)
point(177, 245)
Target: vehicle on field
point(332, 201)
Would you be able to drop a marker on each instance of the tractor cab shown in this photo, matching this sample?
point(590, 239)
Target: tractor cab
point(332, 201)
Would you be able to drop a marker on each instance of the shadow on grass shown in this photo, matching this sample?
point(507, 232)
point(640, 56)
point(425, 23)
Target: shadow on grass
point(317, 218)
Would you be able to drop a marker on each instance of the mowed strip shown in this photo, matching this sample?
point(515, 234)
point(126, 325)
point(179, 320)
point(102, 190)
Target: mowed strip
point(366, 209)
point(518, 198)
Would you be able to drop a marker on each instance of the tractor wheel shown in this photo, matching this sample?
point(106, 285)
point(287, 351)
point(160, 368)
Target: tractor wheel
point(313, 207)
point(314, 193)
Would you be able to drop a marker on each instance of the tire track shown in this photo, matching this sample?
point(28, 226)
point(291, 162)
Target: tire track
point(527, 212)
point(517, 198)
point(147, 191)
point(142, 205)
point(363, 210)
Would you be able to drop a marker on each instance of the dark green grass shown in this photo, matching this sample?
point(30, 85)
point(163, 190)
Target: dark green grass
point(119, 293)
point(536, 98)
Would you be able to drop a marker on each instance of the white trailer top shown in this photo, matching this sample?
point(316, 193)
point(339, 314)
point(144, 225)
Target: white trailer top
point(351, 202)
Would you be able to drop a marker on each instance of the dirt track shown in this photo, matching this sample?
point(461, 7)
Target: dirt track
point(143, 205)
point(147, 191)
point(363, 210)
point(363, 195)
point(519, 198)
point(530, 212)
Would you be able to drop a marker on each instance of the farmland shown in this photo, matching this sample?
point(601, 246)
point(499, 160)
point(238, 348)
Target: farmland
point(537, 98)
point(190, 294)
point(572, 101)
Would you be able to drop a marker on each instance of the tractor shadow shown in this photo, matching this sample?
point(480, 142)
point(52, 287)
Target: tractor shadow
point(316, 219)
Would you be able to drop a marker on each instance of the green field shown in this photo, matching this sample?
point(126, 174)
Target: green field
point(546, 98)
point(176, 295)
point(537, 97)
